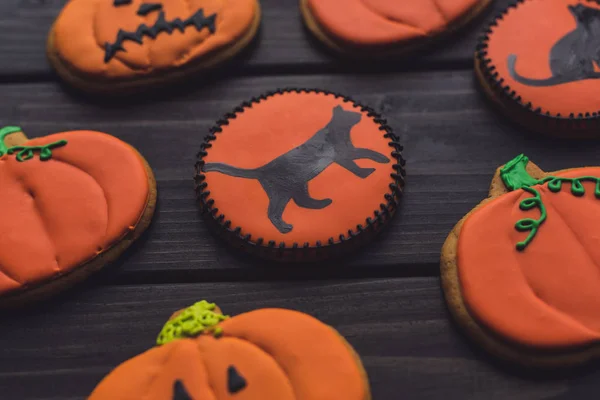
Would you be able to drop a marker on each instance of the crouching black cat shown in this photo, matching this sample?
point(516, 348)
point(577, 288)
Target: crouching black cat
point(572, 58)
point(286, 177)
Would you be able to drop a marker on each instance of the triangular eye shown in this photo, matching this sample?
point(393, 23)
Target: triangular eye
point(118, 3)
point(179, 391)
point(235, 381)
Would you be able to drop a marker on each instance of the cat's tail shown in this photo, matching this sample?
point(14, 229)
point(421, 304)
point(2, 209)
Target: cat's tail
point(231, 170)
point(554, 80)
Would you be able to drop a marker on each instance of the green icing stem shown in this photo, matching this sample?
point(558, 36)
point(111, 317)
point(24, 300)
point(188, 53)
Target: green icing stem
point(515, 176)
point(26, 152)
point(193, 321)
point(530, 224)
point(4, 132)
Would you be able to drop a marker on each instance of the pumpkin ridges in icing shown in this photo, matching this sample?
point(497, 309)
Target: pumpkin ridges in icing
point(380, 23)
point(272, 354)
point(88, 161)
point(516, 326)
point(291, 337)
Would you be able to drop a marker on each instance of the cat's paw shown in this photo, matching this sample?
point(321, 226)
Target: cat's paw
point(364, 172)
point(284, 228)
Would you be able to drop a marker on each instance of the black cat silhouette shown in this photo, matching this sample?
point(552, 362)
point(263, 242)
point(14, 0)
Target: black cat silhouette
point(286, 177)
point(574, 56)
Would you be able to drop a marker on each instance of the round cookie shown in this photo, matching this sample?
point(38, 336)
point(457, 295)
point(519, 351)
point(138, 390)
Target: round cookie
point(71, 203)
point(259, 355)
point(382, 27)
point(120, 45)
point(299, 175)
point(536, 62)
point(520, 271)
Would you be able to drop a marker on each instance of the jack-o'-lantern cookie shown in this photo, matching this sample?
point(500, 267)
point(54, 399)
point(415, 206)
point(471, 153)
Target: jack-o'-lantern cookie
point(299, 175)
point(369, 27)
point(71, 203)
point(537, 62)
point(266, 354)
point(116, 45)
point(520, 271)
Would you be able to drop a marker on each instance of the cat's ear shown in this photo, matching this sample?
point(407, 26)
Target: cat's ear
point(337, 109)
point(576, 10)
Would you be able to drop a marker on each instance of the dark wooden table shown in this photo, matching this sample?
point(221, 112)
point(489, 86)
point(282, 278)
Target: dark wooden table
point(387, 301)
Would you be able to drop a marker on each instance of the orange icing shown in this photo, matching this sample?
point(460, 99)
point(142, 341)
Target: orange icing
point(59, 213)
point(548, 294)
point(282, 354)
point(85, 26)
point(275, 126)
point(381, 22)
point(529, 32)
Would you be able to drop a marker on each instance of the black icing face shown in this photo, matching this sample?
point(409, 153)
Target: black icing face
point(235, 384)
point(235, 381)
point(161, 25)
point(180, 392)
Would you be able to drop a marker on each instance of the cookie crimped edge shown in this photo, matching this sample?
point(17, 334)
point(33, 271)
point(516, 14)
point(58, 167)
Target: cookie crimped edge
point(297, 251)
point(492, 342)
point(28, 294)
point(508, 101)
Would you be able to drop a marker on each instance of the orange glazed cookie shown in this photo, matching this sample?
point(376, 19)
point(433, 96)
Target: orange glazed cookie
point(520, 271)
point(299, 175)
point(537, 62)
point(364, 27)
point(267, 354)
point(112, 45)
point(71, 202)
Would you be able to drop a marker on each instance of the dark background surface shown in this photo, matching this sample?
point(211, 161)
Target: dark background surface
point(386, 300)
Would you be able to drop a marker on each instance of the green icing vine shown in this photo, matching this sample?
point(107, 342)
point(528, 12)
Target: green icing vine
point(515, 176)
point(193, 321)
point(25, 153)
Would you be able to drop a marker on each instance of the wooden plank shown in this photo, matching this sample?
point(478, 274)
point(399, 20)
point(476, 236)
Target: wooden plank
point(453, 144)
point(283, 42)
point(399, 327)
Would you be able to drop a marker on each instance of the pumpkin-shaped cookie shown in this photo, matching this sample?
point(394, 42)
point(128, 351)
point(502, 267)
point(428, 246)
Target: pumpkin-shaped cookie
point(71, 202)
point(111, 45)
point(367, 27)
point(520, 271)
point(267, 354)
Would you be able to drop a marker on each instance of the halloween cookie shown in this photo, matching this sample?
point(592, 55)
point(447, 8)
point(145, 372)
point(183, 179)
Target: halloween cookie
point(299, 175)
point(71, 202)
point(520, 271)
point(267, 354)
point(116, 45)
point(368, 27)
point(543, 72)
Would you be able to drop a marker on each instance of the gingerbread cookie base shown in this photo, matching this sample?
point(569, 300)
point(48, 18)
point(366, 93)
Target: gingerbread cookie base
point(35, 293)
point(556, 107)
point(108, 87)
point(274, 239)
point(398, 49)
point(494, 344)
point(502, 98)
point(261, 354)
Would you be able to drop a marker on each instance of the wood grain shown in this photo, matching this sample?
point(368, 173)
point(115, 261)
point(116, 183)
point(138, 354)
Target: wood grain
point(453, 144)
point(399, 327)
point(283, 44)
